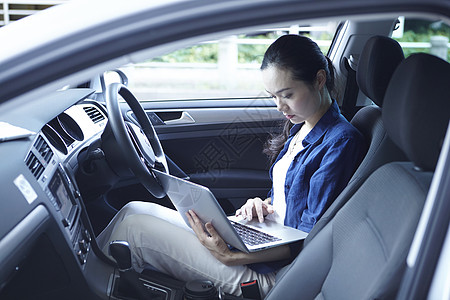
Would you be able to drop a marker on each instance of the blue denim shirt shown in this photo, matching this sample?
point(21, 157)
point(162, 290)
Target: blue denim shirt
point(332, 151)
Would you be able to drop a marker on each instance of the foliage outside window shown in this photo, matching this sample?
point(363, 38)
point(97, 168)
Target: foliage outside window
point(420, 32)
point(227, 68)
point(247, 53)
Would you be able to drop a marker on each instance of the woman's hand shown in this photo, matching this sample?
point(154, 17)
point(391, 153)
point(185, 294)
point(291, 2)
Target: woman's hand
point(219, 249)
point(210, 239)
point(255, 207)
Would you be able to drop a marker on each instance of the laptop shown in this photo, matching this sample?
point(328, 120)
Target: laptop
point(247, 236)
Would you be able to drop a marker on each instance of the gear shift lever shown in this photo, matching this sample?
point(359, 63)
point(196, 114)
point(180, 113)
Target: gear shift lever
point(120, 251)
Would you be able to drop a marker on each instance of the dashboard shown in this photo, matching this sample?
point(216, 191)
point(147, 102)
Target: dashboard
point(48, 248)
point(51, 162)
point(51, 179)
point(44, 225)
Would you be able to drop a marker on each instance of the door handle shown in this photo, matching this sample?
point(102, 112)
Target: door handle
point(185, 118)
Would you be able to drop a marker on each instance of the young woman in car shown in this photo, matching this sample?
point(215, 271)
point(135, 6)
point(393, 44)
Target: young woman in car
point(314, 159)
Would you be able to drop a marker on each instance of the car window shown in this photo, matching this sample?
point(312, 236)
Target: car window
point(226, 68)
point(420, 35)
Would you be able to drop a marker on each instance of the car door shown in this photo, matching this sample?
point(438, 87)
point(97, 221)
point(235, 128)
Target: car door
point(219, 144)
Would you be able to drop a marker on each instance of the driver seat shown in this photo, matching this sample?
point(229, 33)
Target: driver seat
point(379, 59)
point(361, 252)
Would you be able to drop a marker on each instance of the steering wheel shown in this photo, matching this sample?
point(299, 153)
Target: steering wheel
point(140, 145)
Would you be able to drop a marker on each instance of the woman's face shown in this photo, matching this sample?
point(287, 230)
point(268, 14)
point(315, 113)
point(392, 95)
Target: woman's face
point(298, 101)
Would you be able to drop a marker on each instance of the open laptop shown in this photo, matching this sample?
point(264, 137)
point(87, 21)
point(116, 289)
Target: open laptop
point(186, 195)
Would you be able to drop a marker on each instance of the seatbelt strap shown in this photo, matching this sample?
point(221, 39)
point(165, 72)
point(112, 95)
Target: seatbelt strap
point(351, 92)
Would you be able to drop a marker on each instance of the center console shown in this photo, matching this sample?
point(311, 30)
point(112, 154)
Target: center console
point(64, 196)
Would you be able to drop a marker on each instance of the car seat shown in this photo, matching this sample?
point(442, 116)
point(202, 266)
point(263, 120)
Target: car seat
point(361, 253)
point(378, 60)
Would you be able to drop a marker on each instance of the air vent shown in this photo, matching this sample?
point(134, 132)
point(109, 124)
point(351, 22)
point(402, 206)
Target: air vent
point(34, 165)
point(39, 157)
point(94, 113)
point(43, 149)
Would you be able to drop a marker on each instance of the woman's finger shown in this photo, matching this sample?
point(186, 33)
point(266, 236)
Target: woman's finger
point(248, 212)
point(211, 230)
point(259, 211)
point(267, 208)
point(196, 224)
point(190, 220)
point(238, 212)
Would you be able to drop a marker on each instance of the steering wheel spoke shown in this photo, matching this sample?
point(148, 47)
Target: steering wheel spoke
point(140, 145)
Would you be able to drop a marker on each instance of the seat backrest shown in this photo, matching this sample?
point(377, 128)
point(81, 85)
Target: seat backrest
point(361, 253)
point(378, 60)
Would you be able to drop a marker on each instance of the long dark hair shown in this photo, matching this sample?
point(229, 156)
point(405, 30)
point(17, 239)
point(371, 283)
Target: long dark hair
point(303, 58)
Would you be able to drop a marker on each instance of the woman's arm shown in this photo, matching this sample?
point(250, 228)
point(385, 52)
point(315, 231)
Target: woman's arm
point(219, 249)
point(327, 182)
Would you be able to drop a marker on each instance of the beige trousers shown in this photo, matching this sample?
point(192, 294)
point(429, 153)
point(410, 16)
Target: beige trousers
point(159, 238)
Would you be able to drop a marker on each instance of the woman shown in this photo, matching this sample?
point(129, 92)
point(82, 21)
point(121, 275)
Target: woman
point(314, 159)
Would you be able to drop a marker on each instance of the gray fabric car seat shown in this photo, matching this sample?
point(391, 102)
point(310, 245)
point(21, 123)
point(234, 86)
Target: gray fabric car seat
point(378, 60)
point(361, 252)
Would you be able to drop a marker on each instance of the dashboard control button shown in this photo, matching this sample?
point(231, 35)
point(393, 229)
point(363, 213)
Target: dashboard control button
point(81, 257)
point(65, 222)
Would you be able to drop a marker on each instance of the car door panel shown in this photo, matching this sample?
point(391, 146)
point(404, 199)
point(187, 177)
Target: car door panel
point(219, 144)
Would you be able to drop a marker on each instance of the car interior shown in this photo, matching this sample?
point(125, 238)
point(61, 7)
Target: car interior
point(359, 231)
point(71, 160)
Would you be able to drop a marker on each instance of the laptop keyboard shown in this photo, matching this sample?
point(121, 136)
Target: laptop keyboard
point(252, 236)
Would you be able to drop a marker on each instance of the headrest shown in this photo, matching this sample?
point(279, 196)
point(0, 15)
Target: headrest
point(377, 62)
point(416, 109)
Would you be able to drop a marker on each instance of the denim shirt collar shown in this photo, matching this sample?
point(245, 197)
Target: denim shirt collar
point(332, 114)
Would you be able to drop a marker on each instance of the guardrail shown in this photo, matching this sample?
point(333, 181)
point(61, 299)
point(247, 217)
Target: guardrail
point(11, 11)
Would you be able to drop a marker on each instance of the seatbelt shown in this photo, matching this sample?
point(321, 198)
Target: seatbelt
point(351, 92)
